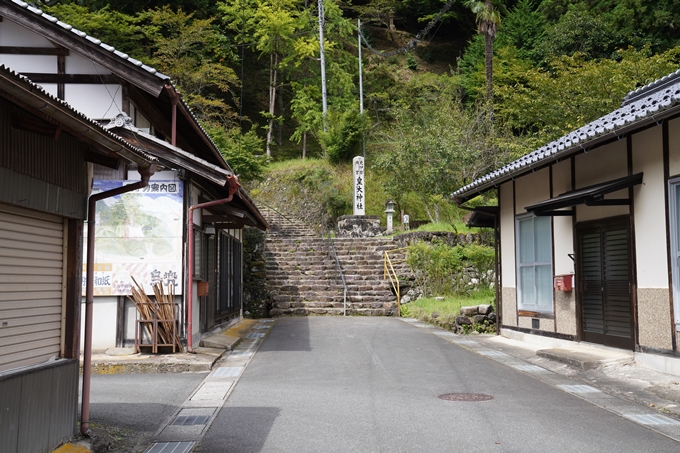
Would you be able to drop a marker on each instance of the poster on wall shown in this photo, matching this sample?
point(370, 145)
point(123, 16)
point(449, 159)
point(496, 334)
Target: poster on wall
point(137, 234)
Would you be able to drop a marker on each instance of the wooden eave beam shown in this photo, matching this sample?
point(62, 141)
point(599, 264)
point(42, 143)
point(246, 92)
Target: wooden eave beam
point(229, 225)
point(217, 218)
point(148, 82)
point(16, 50)
point(85, 79)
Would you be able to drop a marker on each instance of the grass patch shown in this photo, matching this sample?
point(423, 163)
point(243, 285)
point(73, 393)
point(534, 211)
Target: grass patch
point(442, 313)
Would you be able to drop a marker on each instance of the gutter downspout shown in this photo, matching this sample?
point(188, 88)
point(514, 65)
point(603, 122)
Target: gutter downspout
point(232, 182)
point(89, 288)
point(174, 99)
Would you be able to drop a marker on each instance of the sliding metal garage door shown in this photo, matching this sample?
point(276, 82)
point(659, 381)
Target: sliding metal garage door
point(31, 276)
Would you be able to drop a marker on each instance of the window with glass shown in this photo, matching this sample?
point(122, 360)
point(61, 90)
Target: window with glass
point(534, 264)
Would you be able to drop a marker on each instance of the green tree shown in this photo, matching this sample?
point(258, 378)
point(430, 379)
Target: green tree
point(195, 54)
point(488, 16)
point(572, 90)
point(270, 25)
point(438, 148)
point(243, 152)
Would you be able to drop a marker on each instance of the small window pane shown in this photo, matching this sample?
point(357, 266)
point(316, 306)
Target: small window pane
point(526, 242)
point(527, 292)
point(542, 238)
point(544, 286)
point(198, 256)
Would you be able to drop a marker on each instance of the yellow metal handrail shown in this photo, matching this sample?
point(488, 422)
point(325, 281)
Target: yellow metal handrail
point(389, 271)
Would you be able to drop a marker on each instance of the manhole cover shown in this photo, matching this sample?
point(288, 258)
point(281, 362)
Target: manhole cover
point(465, 397)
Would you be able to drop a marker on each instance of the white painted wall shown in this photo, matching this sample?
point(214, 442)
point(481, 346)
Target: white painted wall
point(95, 101)
point(77, 64)
point(104, 317)
point(531, 189)
point(30, 63)
point(650, 210)
point(597, 166)
point(507, 215)
point(563, 231)
point(12, 34)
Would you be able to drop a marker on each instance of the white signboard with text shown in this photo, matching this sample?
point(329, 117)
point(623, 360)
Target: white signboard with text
point(359, 184)
point(137, 234)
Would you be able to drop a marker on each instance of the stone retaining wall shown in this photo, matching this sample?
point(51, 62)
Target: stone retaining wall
point(256, 297)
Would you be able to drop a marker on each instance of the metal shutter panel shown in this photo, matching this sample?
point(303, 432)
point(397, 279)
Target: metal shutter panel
point(31, 276)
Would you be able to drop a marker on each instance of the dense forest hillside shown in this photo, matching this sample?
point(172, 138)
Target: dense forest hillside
point(451, 89)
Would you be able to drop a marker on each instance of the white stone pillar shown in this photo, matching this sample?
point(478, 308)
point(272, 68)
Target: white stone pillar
point(359, 185)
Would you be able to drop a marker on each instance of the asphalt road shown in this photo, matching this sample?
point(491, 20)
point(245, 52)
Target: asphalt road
point(330, 384)
point(127, 409)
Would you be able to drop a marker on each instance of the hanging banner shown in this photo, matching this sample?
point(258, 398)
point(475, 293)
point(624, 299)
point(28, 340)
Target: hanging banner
point(359, 184)
point(138, 234)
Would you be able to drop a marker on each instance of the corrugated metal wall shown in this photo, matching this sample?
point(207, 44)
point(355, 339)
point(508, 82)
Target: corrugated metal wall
point(38, 407)
point(31, 274)
point(60, 162)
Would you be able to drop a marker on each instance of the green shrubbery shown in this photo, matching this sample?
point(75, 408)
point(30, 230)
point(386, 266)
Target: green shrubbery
point(441, 269)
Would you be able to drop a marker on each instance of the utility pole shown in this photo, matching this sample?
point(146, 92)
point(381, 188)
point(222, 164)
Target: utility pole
point(361, 90)
point(323, 64)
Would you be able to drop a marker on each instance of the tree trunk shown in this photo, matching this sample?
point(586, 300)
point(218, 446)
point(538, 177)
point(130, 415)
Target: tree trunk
point(488, 50)
point(279, 125)
point(273, 63)
point(304, 144)
point(429, 214)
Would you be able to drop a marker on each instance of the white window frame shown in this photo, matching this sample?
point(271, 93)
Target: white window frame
point(675, 244)
point(546, 309)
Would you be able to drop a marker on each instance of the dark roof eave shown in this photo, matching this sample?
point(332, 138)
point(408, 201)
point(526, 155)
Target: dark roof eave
point(461, 198)
point(35, 97)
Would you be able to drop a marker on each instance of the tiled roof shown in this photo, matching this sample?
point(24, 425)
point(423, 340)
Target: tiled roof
point(642, 105)
point(93, 40)
point(123, 56)
point(35, 88)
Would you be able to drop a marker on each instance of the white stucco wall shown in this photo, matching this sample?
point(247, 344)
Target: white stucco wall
point(650, 210)
point(507, 208)
point(563, 231)
point(531, 189)
point(601, 165)
point(95, 101)
point(104, 315)
point(12, 34)
point(76, 64)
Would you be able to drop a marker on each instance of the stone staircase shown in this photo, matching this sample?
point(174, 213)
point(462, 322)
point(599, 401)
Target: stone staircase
point(283, 225)
point(303, 278)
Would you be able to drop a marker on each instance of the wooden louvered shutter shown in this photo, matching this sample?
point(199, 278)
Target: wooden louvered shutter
point(616, 283)
point(605, 285)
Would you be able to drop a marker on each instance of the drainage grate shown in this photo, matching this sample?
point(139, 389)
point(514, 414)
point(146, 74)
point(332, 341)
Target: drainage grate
point(191, 420)
point(465, 397)
point(171, 447)
point(651, 419)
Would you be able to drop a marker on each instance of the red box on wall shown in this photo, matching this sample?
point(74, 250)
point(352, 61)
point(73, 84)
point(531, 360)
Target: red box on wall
point(564, 282)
